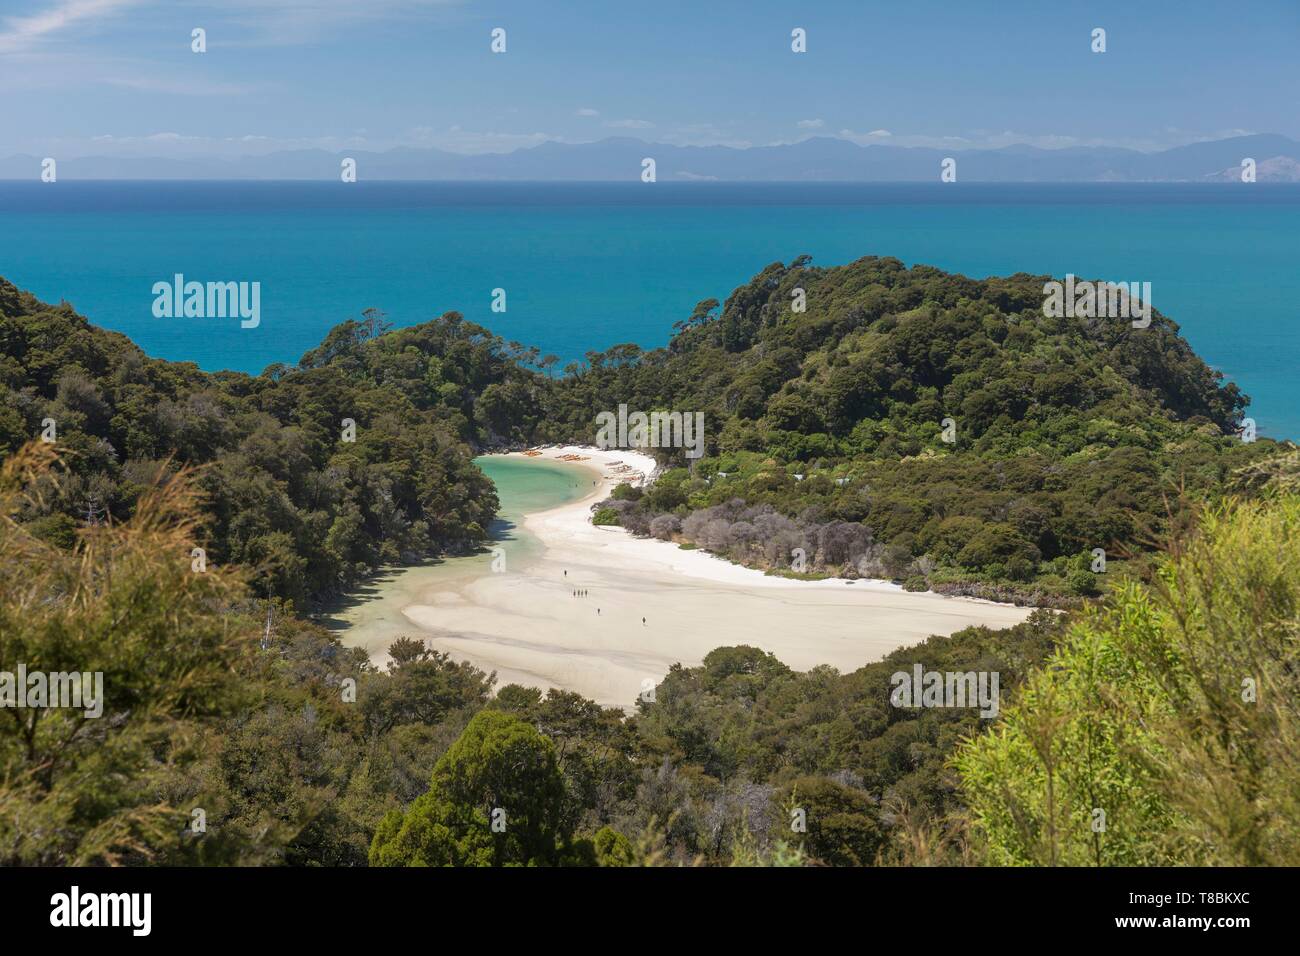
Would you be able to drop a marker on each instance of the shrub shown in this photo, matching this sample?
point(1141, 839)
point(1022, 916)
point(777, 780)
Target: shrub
point(1169, 708)
point(1083, 582)
point(625, 492)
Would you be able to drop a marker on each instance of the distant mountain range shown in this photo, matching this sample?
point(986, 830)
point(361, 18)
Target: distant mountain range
point(816, 159)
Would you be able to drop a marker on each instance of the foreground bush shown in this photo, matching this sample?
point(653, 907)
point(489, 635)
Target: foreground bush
point(1164, 730)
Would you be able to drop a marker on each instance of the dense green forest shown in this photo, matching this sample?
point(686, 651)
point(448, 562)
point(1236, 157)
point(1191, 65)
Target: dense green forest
point(285, 493)
point(825, 429)
point(227, 704)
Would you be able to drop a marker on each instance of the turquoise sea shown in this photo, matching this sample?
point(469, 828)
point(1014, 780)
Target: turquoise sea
point(587, 265)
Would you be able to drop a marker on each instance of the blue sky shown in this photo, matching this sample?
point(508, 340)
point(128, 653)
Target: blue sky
point(117, 77)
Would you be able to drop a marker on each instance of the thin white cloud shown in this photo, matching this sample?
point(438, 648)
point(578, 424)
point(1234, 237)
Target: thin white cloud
point(866, 139)
point(69, 70)
point(261, 22)
point(587, 111)
point(630, 124)
point(21, 34)
point(811, 124)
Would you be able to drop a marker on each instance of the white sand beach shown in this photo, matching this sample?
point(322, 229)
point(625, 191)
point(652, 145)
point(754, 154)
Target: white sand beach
point(648, 605)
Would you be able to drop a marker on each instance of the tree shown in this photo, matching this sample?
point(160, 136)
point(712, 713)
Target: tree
point(843, 825)
point(425, 686)
point(613, 848)
point(605, 516)
point(155, 657)
point(496, 798)
point(996, 543)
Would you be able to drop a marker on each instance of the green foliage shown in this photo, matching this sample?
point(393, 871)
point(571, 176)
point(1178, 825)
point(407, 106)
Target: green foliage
point(744, 720)
point(612, 848)
point(425, 687)
point(500, 771)
point(85, 785)
point(317, 766)
point(285, 496)
point(823, 434)
point(212, 702)
point(1169, 709)
point(605, 516)
point(843, 824)
point(1071, 433)
point(1084, 583)
point(625, 492)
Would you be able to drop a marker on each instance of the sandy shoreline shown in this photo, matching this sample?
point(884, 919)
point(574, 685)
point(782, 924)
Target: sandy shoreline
point(649, 605)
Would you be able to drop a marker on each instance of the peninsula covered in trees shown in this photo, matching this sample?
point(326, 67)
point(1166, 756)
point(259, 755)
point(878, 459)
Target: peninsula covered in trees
point(920, 426)
point(824, 429)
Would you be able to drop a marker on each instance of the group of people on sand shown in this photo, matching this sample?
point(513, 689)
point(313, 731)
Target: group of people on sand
point(579, 592)
point(583, 592)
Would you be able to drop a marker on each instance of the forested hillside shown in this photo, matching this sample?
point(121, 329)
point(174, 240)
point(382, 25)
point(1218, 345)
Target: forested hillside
point(286, 494)
point(1163, 730)
point(825, 429)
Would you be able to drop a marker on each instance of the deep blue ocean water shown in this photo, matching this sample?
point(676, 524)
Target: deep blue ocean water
point(586, 266)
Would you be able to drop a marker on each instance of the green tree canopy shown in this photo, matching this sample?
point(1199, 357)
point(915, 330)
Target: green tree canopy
point(496, 798)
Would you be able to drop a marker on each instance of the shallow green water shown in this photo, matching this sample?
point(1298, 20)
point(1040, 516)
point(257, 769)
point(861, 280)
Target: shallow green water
point(526, 485)
point(371, 616)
